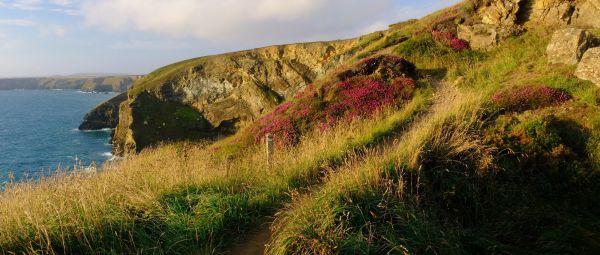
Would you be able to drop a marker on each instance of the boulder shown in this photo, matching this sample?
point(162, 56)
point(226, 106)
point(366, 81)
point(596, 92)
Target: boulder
point(479, 36)
point(589, 67)
point(568, 45)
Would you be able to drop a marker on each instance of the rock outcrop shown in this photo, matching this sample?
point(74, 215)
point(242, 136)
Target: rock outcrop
point(568, 45)
point(105, 115)
point(216, 95)
point(589, 67)
point(496, 20)
point(566, 12)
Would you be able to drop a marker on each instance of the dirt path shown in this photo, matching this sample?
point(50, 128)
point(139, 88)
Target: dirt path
point(255, 241)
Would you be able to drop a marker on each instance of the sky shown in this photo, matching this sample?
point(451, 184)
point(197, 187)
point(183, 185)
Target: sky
point(64, 37)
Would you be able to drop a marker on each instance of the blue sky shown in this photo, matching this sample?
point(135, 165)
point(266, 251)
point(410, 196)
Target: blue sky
point(62, 37)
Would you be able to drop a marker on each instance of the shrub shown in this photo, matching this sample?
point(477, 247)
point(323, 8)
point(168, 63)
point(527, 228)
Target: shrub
point(529, 97)
point(450, 40)
point(386, 67)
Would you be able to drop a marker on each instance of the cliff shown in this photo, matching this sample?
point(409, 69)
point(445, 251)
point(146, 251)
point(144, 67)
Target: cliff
point(87, 83)
point(105, 115)
point(215, 95)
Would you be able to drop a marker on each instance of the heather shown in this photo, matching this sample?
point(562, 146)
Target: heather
point(360, 91)
point(529, 97)
point(450, 40)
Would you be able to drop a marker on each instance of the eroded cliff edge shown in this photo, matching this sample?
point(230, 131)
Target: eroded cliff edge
point(105, 115)
point(210, 96)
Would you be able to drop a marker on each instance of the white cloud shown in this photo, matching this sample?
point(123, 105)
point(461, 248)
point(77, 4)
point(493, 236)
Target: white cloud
point(52, 29)
point(17, 22)
point(149, 45)
point(230, 20)
point(28, 5)
point(64, 2)
point(38, 5)
point(7, 43)
point(70, 12)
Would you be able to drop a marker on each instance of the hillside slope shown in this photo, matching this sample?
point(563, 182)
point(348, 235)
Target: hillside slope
point(217, 94)
point(415, 143)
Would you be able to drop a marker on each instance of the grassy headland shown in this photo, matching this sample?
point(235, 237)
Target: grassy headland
point(451, 169)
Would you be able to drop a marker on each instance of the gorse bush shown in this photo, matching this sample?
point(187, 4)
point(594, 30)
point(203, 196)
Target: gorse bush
point(359, 91)
point(529, 97)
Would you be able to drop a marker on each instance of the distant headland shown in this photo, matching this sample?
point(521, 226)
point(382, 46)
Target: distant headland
point(84, 82)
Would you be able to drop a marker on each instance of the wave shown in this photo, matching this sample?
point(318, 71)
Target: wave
point(91, 131)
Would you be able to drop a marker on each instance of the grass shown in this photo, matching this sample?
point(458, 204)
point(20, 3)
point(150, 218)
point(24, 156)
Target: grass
point(175, 198)
point(447, 189)
point(446, 172)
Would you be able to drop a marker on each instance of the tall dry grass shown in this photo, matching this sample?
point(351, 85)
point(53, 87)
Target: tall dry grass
point(133, 206)
point(321, 222)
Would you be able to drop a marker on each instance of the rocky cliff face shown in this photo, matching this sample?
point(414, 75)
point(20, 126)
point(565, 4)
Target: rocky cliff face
point(105, 115)
point(216, 95)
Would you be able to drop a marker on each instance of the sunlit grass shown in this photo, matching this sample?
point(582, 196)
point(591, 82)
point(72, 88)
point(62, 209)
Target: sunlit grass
point(176, 198)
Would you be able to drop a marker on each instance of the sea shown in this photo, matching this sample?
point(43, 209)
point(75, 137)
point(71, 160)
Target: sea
point(38, 133)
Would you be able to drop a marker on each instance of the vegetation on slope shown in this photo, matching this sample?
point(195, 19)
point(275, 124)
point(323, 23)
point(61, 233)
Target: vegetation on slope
point(482, 177)
point(466, 171)
point(187, 197)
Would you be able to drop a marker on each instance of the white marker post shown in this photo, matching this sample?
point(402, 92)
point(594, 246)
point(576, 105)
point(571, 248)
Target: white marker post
point(269, 144)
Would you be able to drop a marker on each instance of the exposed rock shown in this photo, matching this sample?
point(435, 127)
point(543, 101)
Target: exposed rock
point(501, 13)
point(216, 95)
point(568, 45)
point(479, 36)
point(589, 67)
point(553, 12)
point(588, 14)
point(566, 12)
point(497, 20)
point(105, 115)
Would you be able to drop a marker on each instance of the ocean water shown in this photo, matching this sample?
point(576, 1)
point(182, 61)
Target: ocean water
point(38, 132)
